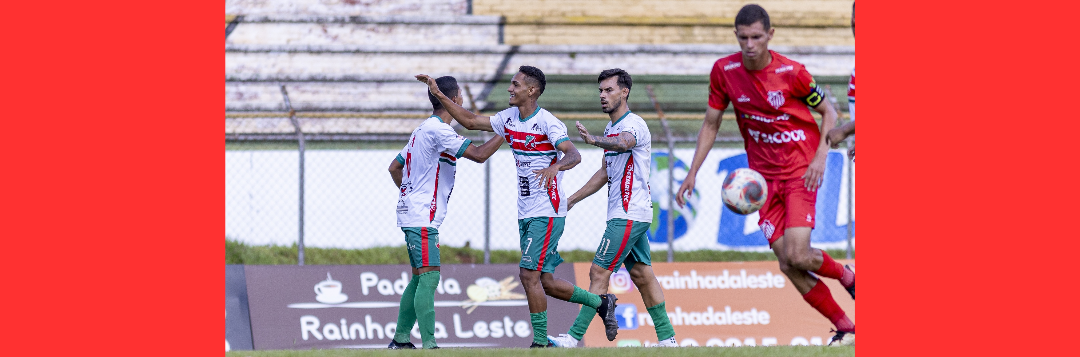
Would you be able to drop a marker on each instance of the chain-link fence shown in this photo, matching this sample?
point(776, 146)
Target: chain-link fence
point(349, 199)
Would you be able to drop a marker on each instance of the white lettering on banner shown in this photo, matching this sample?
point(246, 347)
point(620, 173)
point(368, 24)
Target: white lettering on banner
point(721, 281)
point(506, 328)
point(369, 330)
point(385, 287)
point(711, 317)
point(778, 137)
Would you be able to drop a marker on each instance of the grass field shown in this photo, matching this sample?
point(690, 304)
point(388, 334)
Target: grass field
point(588, 352)
point(240, 253)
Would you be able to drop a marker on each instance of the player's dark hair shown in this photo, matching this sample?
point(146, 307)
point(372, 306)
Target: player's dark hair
point(623, 82)
point(752, 13)
point(536, 74)
point(448, 86)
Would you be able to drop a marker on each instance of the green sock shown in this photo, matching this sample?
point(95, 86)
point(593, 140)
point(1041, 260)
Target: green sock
point(584, 318)
point(660, 321)
point(406, 316)
point(539, 322)
point(425, 306)
point(586, 298)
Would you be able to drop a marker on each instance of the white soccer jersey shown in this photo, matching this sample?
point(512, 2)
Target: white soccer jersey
point(629, 196)
point(533, 140)
point(430, 160)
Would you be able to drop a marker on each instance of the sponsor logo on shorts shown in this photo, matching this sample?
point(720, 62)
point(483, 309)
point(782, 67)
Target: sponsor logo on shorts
point(809, 217)
point(732, 65)
point(776, 98)
point(777, 137)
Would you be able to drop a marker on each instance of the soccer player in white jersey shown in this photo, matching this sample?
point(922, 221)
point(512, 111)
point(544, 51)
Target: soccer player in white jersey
point(537, 139)
point(627, 163)
point(424, 171)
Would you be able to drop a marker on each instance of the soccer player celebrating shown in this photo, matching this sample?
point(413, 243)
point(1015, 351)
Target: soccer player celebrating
point(541, 151)
point(424, 171)
point(626, 166)
point(771, 93)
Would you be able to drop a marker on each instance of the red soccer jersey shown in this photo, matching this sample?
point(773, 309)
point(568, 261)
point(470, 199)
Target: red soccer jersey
point(771, 109)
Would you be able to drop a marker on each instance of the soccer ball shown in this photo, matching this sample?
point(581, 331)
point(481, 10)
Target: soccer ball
point(744, 191)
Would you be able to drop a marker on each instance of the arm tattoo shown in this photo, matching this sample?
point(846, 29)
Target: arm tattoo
point(614, 143)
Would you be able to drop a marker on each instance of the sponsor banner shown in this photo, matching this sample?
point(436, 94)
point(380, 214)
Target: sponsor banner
point(237, 323)
point(718, 304)
point(356, 306)
point(355, 208)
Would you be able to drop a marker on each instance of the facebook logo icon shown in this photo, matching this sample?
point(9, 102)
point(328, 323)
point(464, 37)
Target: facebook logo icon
point(626, 315)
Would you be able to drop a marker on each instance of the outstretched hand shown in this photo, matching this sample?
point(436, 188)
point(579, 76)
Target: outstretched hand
point(584, 133)
point(426, 79)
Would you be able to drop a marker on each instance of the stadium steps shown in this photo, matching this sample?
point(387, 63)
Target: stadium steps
point(809, 22)
point(345, 31)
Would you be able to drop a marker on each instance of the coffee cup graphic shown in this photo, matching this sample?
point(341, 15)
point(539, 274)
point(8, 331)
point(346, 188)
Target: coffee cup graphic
point(329, 291)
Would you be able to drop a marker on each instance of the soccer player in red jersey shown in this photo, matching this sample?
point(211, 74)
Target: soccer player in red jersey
point(771, 94)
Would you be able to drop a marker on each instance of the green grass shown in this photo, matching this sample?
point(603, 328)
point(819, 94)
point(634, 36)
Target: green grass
point(590, 352)
point(240, 253)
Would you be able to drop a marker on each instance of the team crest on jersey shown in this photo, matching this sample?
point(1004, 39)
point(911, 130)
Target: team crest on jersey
point(776, 98)
point(530, 142)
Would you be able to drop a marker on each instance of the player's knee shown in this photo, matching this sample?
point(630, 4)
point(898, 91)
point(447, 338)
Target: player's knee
point(802, 262)
point(547, 281)
point(640, 277)
point(528, 278)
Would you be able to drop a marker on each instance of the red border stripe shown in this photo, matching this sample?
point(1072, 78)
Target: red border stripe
point(547, 240)
point(423, 246)
point(625, 238)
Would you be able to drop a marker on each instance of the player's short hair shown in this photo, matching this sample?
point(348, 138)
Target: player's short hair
point(536, 74)
point(752, 13)
point(624, 78)
point(448, 86)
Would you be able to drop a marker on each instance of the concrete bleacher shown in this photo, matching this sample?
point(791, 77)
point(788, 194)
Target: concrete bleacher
point(354, 61)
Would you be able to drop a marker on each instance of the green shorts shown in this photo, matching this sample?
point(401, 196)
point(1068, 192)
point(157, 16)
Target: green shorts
point(540, 242)
point(423, 245)
point(624, 242)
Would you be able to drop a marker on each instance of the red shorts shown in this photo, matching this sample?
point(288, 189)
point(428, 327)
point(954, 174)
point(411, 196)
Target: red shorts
point(789, 205)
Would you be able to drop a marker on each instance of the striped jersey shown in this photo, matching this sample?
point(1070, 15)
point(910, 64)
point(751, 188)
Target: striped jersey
point(533, 140)
point(430, 160)
point(851, 95)
point(629, 195)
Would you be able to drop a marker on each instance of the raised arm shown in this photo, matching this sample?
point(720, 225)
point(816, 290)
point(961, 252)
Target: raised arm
point(596, 182)
point(483, 152)
point(622, 142)
point(468, 119)
point(705, 139)
point(571, 157)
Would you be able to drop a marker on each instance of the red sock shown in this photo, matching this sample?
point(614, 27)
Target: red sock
point(821, 299)
point(830, 268)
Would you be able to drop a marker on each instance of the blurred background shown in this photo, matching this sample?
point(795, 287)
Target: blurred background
point(348, 67)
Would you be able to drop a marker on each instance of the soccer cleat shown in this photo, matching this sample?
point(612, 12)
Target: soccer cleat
point(667, 343)
point(394, 345)
point(842, 338)
point(537, 345)
point(606, 310)
point(564, 341)
point(850, 290)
